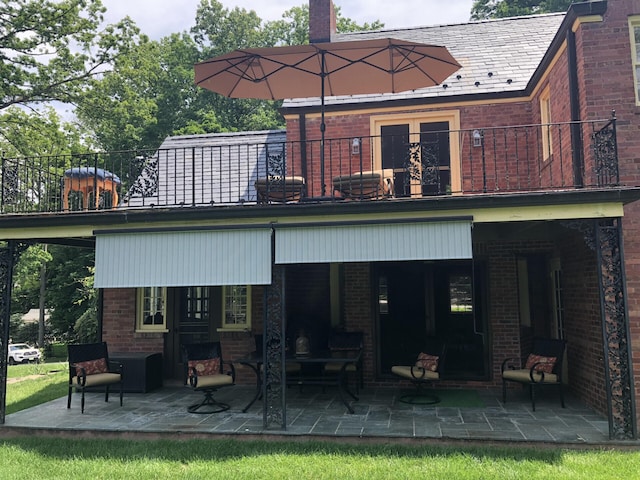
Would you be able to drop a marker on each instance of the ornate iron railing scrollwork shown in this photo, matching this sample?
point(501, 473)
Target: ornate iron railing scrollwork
point(615, 329)
point(273, 394)
point(605, 151)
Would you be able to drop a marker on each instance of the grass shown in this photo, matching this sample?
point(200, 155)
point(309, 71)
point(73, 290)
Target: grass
point(29, 385)
point(48, 458)
point(45, 457)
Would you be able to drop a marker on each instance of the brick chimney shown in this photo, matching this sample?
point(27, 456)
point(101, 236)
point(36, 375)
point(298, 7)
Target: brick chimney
point(322, 21)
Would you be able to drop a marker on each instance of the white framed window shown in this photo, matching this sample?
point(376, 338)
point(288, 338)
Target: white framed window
point(545, 120)
point(151, 311)
point(236, 307)
point(634, 32)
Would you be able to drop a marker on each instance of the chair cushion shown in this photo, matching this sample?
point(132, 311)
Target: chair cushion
point(545, 364)
point(210, 366)
point(91, 367)
point(97, 379)
point(428, 362)
point(212, 381)
point(337, 366)
point(415, 373)
point(522, 376)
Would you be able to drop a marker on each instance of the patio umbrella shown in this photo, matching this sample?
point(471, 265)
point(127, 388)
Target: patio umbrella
point(383, 65)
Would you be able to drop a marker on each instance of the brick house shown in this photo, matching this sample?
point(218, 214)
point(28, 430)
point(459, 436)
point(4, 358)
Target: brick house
point(489, 210)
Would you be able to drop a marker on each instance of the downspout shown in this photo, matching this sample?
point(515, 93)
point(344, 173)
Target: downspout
point(302, 127)
point(574, 104)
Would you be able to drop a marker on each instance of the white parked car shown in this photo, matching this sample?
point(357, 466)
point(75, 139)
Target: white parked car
point(22, 353)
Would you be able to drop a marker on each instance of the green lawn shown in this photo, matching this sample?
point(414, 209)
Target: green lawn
point(102, 458)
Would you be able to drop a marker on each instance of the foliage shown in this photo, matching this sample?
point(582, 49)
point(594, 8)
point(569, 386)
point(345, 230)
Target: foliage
point(485, 9)
point(26, 278)
point(50, 49)
point(67, 296)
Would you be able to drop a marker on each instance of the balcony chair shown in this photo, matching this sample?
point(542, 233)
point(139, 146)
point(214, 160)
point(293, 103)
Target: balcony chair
point(543, 367)
point(90, 181)
point(370, 185)
point(278, 189)
point(426, 370)
point(89, 366)
point(204, 372)
point(341, 343)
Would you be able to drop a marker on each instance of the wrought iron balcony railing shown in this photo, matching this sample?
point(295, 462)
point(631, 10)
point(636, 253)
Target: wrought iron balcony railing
point(233, 171)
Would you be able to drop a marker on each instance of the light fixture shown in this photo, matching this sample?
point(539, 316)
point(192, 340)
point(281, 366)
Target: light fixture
point(355, 146)
point(477, 138)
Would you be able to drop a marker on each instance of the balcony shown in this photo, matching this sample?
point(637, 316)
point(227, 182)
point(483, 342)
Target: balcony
point(397, 166)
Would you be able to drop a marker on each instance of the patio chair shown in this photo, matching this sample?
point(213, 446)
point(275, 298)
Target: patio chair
point(426, 370)
point(204, 372)
point(543, 367)
point(89, 367)
point(280, 189)
point(346, 342)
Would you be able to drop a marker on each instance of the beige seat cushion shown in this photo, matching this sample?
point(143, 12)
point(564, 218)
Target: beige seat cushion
point(414, 373)
point(336, 366)
point(371, 184)
point(522, 376)
point(97, 379)
point(218, 380)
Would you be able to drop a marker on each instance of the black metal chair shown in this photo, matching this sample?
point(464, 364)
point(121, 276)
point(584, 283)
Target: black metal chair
point(543, 367)
point(204, 372)
point(89, 366)
point(427, 369)
point(346, 342)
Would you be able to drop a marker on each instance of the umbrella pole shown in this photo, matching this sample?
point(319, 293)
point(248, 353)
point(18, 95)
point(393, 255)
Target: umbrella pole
point(322, 125)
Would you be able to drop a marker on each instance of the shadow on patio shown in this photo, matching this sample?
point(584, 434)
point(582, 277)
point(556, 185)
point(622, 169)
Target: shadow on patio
point(378, 415)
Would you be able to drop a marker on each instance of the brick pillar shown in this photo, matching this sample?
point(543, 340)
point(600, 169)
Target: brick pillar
point(322, 21)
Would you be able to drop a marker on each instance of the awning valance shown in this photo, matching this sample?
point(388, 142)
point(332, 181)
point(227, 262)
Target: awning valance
point(377, 242)
point(183, 258)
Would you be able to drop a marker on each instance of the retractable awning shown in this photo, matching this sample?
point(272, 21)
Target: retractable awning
point(183, 258)
point(374, 242)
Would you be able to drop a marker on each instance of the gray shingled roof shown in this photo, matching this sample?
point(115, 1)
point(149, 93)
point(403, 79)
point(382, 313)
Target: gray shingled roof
point(226, 168)
point(501, 55)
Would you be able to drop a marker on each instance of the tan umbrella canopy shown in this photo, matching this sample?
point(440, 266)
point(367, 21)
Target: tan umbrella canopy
point(383, 65)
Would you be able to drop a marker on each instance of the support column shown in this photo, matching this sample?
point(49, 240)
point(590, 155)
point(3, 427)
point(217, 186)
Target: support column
point(615, 329)
point(274, 385)
point(9, 255)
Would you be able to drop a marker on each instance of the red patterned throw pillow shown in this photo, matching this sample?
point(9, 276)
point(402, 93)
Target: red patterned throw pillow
point(428, 362)
point(545, 364)
point(210, 366)
point(91, 367)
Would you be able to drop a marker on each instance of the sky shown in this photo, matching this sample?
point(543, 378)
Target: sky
point(158, 18)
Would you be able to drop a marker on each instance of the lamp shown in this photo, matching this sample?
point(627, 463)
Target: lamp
point(355, 146)
point(477, 138)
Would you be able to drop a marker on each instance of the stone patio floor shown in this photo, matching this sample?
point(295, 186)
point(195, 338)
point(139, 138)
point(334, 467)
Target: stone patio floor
point(379, 415)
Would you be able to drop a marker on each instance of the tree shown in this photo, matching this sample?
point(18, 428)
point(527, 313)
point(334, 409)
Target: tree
point(50, 49)
point(486, 9)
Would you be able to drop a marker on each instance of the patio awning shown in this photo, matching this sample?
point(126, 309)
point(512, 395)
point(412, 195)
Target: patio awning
point(374, 242)
point(183, 258)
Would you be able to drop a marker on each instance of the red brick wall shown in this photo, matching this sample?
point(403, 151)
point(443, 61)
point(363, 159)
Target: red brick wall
point(119, 322)
point(606, 84)
point(322, 20)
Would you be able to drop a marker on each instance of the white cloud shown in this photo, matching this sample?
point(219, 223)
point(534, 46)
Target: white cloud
point(158, 18)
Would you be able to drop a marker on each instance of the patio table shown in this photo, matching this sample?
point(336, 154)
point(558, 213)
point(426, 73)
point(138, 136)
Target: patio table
point(255, 363)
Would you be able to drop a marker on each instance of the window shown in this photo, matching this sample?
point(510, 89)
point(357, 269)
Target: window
point(236, 307)
point(460, 294)
point(422, 149)
point(634, 31)
point(151, 312)
point(545, 120)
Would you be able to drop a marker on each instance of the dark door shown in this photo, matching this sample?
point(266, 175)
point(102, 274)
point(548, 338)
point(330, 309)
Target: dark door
point(415, 300)
point(192, 323)
point(402, 312)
